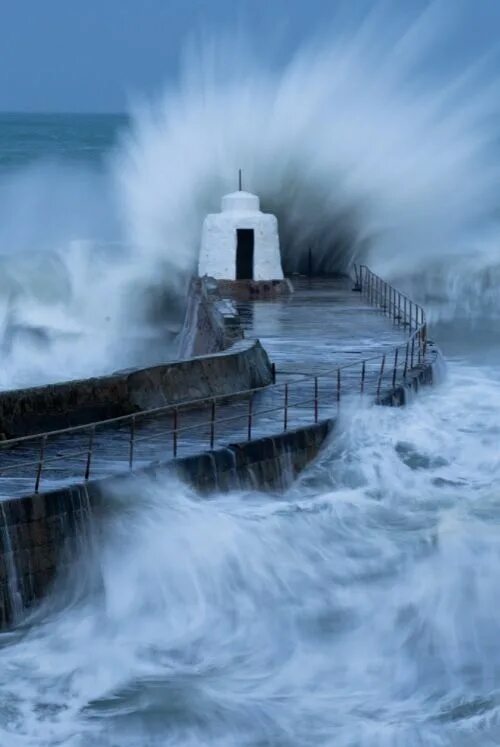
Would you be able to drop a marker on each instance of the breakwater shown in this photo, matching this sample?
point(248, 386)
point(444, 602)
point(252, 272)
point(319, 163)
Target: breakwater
point(261, 441)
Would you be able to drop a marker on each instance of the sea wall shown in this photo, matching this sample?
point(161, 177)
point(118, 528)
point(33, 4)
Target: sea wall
point(40, 409)
point(424, 374)
point(40, 535)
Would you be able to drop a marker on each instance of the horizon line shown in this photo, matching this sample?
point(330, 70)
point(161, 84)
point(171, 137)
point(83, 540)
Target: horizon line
point(60, 112)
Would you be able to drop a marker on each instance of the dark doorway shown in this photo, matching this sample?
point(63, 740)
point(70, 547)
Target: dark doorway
point(244, 253)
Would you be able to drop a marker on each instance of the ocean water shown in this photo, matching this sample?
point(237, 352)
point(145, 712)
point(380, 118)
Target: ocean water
point(360, 608)
point(78, 138)
point(76, 298)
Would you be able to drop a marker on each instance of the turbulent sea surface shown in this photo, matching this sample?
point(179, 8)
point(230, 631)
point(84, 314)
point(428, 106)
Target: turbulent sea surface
point(360, 608)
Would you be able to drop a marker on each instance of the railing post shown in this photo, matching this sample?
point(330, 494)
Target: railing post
point(285, 409)
point(363, 372)
point(316, 401)
point(406, 359)
point(131, 443)
point(212, 424)
point(412, 350)
point(425, 340)
point(89, 453)
point(394, 372)
point(250, 418)
point(379, 384)
point(399, 307)
point(419, 351)
point(405, 311)
point(411, 316)
point(176, 421)
point(40, 463)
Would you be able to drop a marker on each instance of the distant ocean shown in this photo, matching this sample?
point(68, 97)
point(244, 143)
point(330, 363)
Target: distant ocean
point(80, 137)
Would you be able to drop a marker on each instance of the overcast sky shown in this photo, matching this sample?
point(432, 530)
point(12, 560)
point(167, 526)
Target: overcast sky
point(91, 55)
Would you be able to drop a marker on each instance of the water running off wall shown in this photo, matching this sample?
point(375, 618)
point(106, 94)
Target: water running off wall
point(364, 146)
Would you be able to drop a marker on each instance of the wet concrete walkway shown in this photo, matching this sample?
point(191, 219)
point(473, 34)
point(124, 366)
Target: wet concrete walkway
point(324, 324)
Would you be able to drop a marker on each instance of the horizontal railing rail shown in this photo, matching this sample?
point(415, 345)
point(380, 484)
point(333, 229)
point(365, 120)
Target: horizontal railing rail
point(211, 417)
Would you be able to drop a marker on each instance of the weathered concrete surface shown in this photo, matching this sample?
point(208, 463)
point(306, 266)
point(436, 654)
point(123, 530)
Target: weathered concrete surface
point(39, 409)
point(253, 289)
point(244, 366)
point(321, 325)
point(40, 535)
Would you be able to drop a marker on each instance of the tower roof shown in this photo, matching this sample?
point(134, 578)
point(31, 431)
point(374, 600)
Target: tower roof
point(240, 202)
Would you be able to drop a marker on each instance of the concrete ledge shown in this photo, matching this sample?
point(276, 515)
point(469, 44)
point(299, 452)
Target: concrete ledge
point(211, 324)
point(252, 289)
point(39, 409)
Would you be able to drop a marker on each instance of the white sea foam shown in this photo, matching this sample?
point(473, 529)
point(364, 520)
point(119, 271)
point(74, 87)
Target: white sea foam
point(356, 609)
point(364, 150)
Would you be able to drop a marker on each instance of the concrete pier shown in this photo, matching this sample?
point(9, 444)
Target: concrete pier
point(329, 344)
point(324, 324)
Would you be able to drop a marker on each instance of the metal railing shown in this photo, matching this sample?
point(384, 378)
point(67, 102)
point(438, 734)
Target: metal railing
point(200, 424)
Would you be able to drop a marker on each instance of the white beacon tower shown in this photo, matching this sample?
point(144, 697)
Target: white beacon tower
point(240, 242)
